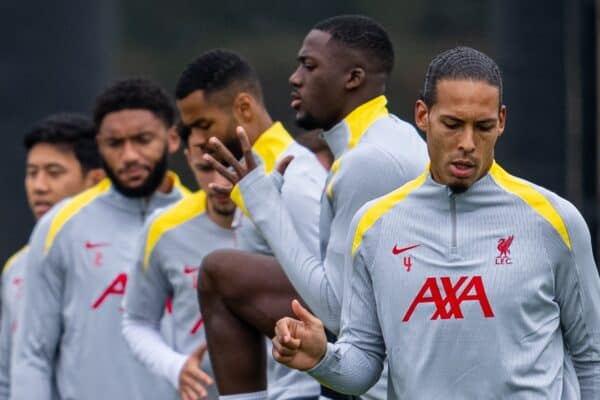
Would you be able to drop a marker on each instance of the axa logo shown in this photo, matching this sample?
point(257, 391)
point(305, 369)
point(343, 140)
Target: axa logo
point(504, 249)
point(447, 297)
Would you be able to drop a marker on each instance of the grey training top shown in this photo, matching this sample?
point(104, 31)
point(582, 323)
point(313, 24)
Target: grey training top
point(11, 293)
point(172, 246)
point(81, 252)
point(472, 295)
point(375, 152)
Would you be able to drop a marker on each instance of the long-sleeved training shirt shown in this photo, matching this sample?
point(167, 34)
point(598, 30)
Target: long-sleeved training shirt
point(172, 246)
point(11, 293)
point(482, 294)
point(76, 275)
point(375, 152)
point(301, 189)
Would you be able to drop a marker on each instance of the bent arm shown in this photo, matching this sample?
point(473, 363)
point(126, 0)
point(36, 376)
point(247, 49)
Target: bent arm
point(578, 295)
point(4, 346)
point(40, 327)
point(149, 347)
point(354, 363)
point(147, 291)
point(302, 266)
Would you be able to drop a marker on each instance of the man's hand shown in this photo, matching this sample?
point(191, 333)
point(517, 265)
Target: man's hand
point(192, 380)
point(240, 170)
point(299, 343)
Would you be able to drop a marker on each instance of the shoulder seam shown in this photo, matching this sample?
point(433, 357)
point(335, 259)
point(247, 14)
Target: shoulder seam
point(371, 215)
point(533, 198)
point(179, 213)
point(71, 208)
point(11, 260)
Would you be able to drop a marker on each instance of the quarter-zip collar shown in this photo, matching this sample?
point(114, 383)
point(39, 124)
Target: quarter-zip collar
point(348, 132)
point(146, 205)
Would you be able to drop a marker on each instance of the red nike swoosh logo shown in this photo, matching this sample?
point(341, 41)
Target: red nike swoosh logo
point(90, 245)
point(189, 270)
point(397, 250)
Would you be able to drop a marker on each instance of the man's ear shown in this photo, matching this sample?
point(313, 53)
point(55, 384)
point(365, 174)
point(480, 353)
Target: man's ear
point(173, 140)
point(244, 106)
point(356, 77)
point(93, 176)
point(501, 120)
point(422, 116)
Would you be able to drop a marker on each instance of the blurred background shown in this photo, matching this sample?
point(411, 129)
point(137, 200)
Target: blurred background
point(57, 56)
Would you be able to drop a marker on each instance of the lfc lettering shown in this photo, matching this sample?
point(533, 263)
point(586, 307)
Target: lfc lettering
point(464, 289)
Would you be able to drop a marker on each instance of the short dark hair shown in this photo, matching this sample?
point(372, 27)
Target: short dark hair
point(460, 63)
point(216, 70)
point(135, 94)
point(74, 131)
point(363, 34)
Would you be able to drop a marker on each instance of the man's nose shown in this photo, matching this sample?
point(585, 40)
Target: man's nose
point(294, 78)
point(130, 152)
point(40, 182)
point(467, 140)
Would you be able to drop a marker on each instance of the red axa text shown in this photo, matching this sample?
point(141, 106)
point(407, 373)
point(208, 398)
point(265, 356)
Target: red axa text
point(447, 297)
point(116, 287)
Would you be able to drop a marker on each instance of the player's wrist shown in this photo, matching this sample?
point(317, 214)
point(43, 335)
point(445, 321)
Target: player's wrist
point(322, 359)
point(176, 367)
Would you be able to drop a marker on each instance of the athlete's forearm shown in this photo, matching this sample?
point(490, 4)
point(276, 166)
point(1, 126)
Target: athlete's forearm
point(347, 369)
point(38, 334)
point(4, 351)
point(578, 295)
point(149, 347)
point(305, 271)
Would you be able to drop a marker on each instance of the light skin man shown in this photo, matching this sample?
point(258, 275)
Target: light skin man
point(62, 160)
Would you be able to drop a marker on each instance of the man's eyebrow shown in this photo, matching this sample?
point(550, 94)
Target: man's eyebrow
point(450, 117)
point(484, 121)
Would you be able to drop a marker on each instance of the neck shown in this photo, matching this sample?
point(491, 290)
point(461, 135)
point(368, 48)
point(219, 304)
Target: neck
point(224, 221)
point(261, 123)
point(166, 185)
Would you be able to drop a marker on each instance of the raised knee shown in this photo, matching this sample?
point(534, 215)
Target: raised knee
point(220, 275)
point(208, 273)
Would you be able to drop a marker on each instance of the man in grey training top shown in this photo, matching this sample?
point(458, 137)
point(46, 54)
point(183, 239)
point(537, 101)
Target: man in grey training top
point(475, 283)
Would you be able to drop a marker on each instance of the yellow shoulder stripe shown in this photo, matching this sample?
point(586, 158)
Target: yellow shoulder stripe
point(384, 204)
point(269, 147)
point(182, 211)
point(236, 197)
point(271, 144)
point(177, 184)
point(14, 258)
point(358, 121)
point(533, 198)
point(72, 207)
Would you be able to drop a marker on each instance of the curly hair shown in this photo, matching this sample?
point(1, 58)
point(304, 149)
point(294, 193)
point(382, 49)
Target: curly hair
point(135, 94)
